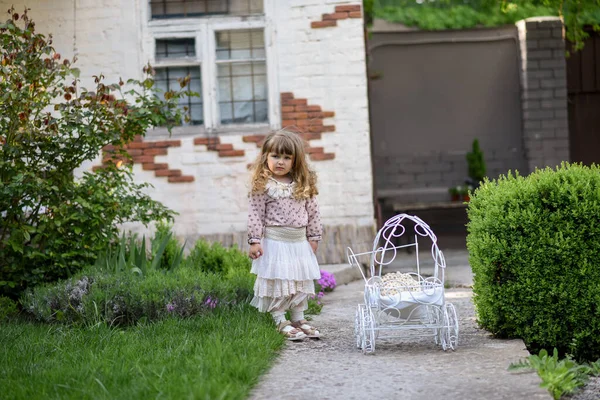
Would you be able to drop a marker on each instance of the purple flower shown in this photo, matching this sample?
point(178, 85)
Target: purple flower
point(210, 302)
point(170, 307)
point(327, 281)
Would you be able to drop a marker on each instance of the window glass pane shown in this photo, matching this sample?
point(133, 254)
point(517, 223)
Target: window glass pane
point(242, 88)
point(243, 112)
point(240, 44)
point(261, 112)
point(225, 90)
point(175, 48)
point(260, 87)
point(226, 112)
point(242, 92)
point(167, 79)
point(258, 53)
point(196, 114)
point(199, 8)
point(245, 6)
point(244, 69)
point(259, 68)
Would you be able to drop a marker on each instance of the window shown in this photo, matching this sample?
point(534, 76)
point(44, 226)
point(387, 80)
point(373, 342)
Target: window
point(226, 57)
point(166, 78)
point(242, 76)
point(198, 8)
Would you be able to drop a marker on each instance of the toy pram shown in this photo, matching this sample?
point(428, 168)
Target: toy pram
point(399, 302)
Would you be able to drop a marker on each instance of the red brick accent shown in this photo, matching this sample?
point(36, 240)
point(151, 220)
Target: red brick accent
point(135, 152)
point(143, 153)
point(341, 12)
point(350, 8)
point(253, 138)
point(322, 156)
point(334, 16)
point(231, 153)
point(305, 119)
point(168, 143)
point(180, 179)
point(155, 151)
point(322, 24)
point(143, 159)
point(224, 149)
point(154, 166)
point(168, 172)
point(221, 146)
point(310, 136)
point(205, 141)
point(139, 145)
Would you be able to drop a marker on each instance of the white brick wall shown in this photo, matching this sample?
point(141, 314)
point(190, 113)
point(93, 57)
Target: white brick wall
point(325, 66)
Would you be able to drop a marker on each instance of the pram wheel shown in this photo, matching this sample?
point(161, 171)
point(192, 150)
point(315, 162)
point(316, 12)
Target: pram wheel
point(368, 331)
point(358, 325)
point(452, 335)
point(449, 331)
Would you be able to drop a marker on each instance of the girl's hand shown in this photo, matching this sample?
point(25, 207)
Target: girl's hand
point(255, 251)
point(314, 246)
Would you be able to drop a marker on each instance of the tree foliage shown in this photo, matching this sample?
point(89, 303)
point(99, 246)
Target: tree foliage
point(52, 222)
point(462, 14)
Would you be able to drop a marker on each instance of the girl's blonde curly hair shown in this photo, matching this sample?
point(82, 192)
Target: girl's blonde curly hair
point(288, 143)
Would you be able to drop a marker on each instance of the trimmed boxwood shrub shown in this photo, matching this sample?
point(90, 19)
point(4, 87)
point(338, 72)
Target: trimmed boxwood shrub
point(534, 247)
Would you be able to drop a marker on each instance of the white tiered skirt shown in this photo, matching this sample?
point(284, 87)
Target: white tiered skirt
point(285, 272)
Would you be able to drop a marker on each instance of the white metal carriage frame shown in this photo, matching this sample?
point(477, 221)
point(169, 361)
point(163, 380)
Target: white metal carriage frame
point(420, 307)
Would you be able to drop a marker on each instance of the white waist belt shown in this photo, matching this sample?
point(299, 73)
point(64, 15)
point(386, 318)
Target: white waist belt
point(285, 233)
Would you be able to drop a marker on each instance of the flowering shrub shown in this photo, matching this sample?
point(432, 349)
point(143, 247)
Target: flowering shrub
point(119, 297)
point(325, 284)
point(54, 224)
point(327, 281)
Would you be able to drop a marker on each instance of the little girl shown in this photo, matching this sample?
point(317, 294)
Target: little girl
point(284, 228)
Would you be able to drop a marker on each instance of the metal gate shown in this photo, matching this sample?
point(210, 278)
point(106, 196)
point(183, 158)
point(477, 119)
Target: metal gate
point(583, 85)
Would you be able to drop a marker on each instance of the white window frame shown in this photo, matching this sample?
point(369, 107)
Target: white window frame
point(203, 30)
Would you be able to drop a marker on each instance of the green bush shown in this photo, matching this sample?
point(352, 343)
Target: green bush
point(533, 247)
point(476, 163)
point(217, 259)
point(54, 224)
point(8, 308)
point(167, 253)
point(120, 297)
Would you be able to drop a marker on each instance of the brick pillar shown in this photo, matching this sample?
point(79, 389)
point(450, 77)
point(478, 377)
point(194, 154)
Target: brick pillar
point(544, 92)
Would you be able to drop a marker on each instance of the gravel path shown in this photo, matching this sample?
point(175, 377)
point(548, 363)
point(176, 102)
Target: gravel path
point(409, 367)
point(591, 391)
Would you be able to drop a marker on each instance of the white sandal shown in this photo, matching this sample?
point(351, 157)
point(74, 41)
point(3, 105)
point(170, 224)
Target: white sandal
point(309, 331)
point(290, 332)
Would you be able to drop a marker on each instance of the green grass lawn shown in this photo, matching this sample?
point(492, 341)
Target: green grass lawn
point(215, 356)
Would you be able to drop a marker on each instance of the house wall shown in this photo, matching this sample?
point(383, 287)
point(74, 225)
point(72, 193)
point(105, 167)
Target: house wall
point(317, 58)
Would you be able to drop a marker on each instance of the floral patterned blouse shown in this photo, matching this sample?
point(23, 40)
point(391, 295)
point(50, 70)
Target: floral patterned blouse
point(276, 207)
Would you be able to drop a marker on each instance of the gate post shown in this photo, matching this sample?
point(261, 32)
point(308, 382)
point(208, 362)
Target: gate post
point(543, 92)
